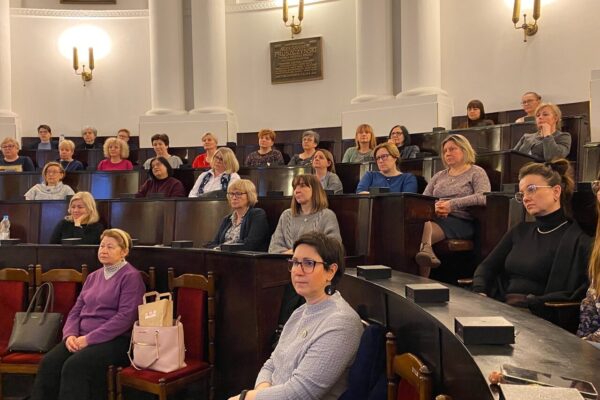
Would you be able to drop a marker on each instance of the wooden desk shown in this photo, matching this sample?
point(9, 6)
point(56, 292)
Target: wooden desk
point(503, 166)
point(458, 370)
point(268, 179)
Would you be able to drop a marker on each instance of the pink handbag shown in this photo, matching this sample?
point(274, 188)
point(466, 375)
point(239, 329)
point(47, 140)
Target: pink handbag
point(159, 348)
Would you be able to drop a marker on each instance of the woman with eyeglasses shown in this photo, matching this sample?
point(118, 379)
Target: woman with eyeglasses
point(53, 188)
point(247, 226)
point(460, 186)
point(529, 101)
point(310, 141)
point(320, 339)
point(388, 176)
point(401, 138)
point(223, 171)
point(11, 160)
point(544, 260)
point(307, 213)
point(548, 142)
point(160, 180)
point(589, 316)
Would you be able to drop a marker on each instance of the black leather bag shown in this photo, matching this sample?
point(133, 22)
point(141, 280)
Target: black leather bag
point(36, 331)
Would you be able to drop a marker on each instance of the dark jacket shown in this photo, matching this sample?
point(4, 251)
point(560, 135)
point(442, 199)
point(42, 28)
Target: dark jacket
point(254, 232)
point(89, 233)
point(53, 145)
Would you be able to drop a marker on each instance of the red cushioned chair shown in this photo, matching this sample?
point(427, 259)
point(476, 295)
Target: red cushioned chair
point(16, 290)
point(415, 377)
point(66, 284)
point(195, 297)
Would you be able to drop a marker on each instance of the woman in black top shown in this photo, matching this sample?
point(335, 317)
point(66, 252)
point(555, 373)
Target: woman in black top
point(246, 225)
point(11, 160)
point(476, 115)
point(82, 221)
point(539, 261)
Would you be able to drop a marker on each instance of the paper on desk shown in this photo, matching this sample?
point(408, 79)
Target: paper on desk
point(535, 392)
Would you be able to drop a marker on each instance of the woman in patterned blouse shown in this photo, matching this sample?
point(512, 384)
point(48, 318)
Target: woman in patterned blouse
point(265, 156)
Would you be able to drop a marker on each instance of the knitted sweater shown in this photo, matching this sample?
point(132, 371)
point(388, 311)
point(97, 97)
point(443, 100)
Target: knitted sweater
point(545, 148)
point(317, 346)
point(290, 228)
point(41, 191)
point(352, 155)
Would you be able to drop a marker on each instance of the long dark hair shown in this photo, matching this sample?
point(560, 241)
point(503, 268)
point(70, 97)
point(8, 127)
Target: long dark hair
point(476, 122)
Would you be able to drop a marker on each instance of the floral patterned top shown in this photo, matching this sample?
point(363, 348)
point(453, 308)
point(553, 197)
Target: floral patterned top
point(589, 322)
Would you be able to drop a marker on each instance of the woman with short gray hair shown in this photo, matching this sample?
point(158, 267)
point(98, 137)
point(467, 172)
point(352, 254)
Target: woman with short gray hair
point(310, 141)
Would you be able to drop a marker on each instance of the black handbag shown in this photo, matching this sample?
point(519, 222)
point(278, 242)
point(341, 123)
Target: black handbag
point(36, 331)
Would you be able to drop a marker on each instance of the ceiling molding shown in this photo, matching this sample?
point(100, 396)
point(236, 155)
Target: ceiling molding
point(38, 12)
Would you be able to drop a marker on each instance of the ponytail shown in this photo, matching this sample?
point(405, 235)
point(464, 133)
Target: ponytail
point(555, 172)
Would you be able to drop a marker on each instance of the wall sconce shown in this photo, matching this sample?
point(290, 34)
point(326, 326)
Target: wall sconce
point(86, 75)
point(295, 27)
point(529, 29)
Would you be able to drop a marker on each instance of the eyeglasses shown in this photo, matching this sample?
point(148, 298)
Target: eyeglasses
point(396, 134)
point(9, 146)
point(218, 158)
point(236, 195)
point(382, 157)
point(306, 264)
point(595, 186)
point(529, 191)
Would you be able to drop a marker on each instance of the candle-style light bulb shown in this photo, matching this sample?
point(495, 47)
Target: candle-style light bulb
point(536, 9)
point(516, 12)
point(91, 57)
point(285, 11)
point(301, 10)
point(75, 59)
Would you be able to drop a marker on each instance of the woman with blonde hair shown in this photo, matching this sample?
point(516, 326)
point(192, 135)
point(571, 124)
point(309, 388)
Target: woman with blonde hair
point(82, 221)
point(66, 148)
point(461, 185)
point(52, 188)
point(589, 316)
point(97, 331)
point(265, 156)
point(308, 212)
point(548, 142)
point(223, 171)
point(247, 226)
point(116, 152)
point(365, 143)
point(204, 160)
point(11, 160)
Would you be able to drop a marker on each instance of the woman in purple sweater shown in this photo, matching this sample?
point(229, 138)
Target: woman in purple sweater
point(96, 333)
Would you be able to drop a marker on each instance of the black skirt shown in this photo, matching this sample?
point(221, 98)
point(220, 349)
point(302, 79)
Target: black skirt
point(456, 228)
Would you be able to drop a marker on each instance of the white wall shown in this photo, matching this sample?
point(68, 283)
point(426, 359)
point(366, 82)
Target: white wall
point(259, 104)
point(46, 90)
point(484, 57)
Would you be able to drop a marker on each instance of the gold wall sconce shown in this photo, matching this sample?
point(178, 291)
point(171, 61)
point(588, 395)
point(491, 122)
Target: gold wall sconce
point(86, 74)
point(529, 29)
point(296, 28)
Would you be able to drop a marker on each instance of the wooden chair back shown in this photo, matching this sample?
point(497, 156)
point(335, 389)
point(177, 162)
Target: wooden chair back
point(415, 376)
point(16, 290)
point(66, 281)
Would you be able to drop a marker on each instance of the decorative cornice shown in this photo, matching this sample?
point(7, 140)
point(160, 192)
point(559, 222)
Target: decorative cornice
point(39, 12)
point(260, 5)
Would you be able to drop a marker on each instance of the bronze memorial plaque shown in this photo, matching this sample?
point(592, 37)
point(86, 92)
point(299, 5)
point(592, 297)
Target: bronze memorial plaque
point(296, 60)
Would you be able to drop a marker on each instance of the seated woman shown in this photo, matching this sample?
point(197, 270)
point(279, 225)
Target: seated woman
point(476, 115)
point(223, 171)
point(461, 185)
point(265, 156)
point(98, 328)
point(548, 142)
point(530, 102)
point(389, 176)
point(308, 212)
point(247, 225)
point(52, 188)
point(11, 160)
point(400, 137)
point(589, 316)
point(45, 135)
point(210, 142)
point(89, 134)
point(324, 167)
point(160, 143)
point(66, 148)
point(320, 339)
point(365, 143)
point(539, 261)
point(160, 180)
point(116, 152)
point(82, 221)
point(310, 141)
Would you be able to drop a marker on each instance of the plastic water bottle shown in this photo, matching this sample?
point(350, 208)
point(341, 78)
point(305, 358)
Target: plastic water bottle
point(5, 228)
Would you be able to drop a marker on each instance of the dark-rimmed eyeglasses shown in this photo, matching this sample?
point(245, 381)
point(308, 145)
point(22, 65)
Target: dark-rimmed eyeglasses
point(595, 186)
point(306, 264)
point(382, 157)
point(529, 191)
point(237, 195)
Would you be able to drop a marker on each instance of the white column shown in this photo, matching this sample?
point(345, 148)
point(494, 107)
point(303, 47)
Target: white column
point(595, 105)
point(5, 57)
point(166, 57)
point(209, 54)
point(421, 67)
point(374, 79)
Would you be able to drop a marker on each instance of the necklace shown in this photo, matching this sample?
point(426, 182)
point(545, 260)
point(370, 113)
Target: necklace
point(551, 230)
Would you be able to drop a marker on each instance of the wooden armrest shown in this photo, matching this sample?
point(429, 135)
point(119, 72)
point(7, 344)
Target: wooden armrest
point(443, 397)
point(465, 282)
point(562, 304)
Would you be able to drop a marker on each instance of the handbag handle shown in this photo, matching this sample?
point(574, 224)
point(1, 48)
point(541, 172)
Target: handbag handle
point(49, 302)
